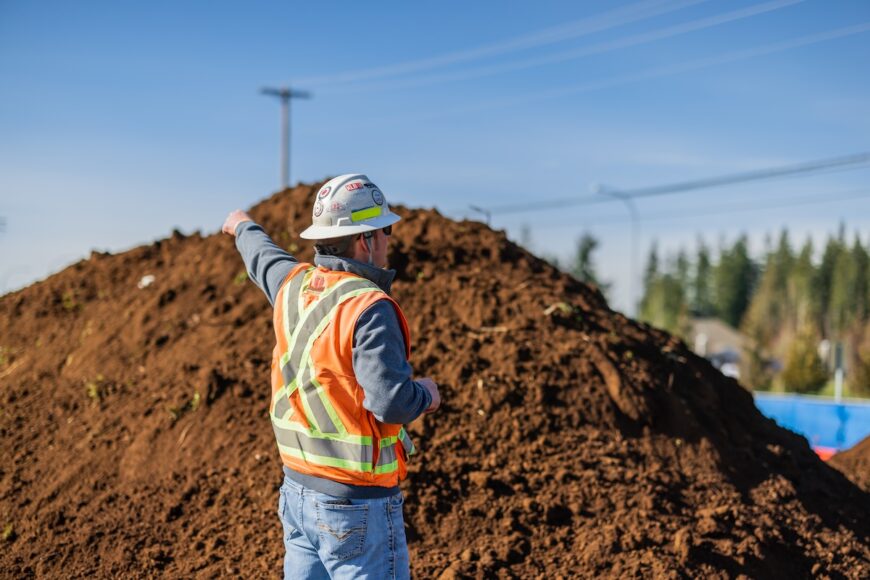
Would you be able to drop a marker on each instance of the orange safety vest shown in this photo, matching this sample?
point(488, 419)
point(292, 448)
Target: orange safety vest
point(317, 412)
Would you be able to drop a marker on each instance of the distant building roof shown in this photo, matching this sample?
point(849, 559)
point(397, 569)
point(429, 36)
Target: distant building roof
point(710, 336)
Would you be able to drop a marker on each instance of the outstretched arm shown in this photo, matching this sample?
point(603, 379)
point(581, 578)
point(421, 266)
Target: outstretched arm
point(267, 264)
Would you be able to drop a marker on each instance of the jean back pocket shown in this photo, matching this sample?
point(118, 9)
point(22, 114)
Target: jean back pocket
point(342, 528)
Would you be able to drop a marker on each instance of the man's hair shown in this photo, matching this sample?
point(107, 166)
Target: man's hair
point(335, 246)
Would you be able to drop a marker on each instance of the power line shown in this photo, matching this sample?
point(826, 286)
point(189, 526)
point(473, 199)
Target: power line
point(583, 27)
point(847, 162)
point(650, 74)
point(573, 54)
point(833, 197)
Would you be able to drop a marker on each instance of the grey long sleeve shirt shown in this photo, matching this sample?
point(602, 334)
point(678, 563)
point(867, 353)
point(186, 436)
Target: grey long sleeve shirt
point(379, 362)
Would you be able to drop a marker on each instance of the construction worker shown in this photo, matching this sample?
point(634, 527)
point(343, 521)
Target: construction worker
point(342, 387)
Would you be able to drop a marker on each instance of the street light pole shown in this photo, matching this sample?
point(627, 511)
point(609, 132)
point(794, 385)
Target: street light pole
point(635, 238)
point(285, 94)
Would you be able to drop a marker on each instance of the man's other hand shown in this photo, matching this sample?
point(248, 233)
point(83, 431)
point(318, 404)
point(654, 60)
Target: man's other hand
point(430, 386)
point(233, 220)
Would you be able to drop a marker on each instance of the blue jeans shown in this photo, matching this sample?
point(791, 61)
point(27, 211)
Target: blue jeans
point(332, 537)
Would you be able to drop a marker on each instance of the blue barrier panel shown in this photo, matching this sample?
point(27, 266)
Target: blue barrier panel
point(822, 421)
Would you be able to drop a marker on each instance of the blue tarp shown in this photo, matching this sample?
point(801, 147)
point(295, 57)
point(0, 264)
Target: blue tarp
point(824, 422)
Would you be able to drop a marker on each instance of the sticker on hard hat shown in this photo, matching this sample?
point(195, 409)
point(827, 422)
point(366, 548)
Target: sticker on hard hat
point(378, 197)
point(318, 209)
point(324, 192)
point(364, 214)
point(353, 186)
point(336, 206)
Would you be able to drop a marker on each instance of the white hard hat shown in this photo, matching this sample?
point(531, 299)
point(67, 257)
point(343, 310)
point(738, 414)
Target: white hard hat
point(348, 205)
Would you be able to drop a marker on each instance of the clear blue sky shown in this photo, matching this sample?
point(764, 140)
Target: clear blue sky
point(120, 121)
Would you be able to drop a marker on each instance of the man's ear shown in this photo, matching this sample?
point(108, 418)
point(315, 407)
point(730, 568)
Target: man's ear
point(360, 243)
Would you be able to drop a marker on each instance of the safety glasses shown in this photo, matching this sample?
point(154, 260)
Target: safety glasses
point(388, 230)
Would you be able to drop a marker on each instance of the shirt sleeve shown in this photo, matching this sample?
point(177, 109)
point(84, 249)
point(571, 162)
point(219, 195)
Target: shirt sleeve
point(267, 264)
point(382, 370)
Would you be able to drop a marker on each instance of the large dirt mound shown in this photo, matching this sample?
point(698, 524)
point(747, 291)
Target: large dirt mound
point(572, 440)
point(855, 463)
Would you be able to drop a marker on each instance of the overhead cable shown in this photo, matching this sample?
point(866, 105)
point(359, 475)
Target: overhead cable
point(848, 162)
point(577, 53)
point(583, 27)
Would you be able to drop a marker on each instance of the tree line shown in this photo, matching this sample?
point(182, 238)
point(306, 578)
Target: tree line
point(786, 304)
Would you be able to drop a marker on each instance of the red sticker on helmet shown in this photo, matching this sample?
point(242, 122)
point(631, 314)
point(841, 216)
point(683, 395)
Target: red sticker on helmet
point(324, 192)
point(353, 186)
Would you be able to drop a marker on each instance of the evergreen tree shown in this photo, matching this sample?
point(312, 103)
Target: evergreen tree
point(665, 306)
point(802, 296)
point(769, 308)
point(734, 279)
point(584, 264)
point(842, 302)
point(650, 276)
point(859, 375)
point(652, 267)
point(824, 282)
point(702, 301)
point(861, 287)
point(681, 271)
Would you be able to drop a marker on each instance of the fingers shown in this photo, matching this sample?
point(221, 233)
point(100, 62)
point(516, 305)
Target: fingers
point(233, 220)
point(432, 388)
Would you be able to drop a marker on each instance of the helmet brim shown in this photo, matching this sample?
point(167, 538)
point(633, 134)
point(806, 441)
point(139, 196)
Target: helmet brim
point(328, 232)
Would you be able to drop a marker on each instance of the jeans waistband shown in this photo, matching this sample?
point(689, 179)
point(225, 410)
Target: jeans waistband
point(337, 489)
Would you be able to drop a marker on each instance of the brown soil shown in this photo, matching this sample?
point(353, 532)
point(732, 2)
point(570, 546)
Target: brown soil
point(855, 463)
point(572, 441)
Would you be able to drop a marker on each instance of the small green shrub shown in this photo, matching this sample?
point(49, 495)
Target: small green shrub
point(804, 371)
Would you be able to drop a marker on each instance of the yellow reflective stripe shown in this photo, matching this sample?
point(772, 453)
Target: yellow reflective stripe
point(306, 358)
point(365, 214)
point(292, 335)
point(388, 468)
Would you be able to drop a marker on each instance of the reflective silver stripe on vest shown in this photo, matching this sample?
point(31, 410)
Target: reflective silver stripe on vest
point(324, 447)
point(296, 369)
point(387, 454)
point(282, 405)
point(406, 442)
